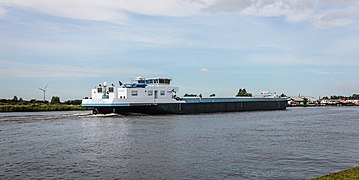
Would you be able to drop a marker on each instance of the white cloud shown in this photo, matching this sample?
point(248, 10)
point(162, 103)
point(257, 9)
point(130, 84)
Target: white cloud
point(164, 7)
point(293, 10)
point(110, 10)
point(339, 18)
point(318, 12)
point(80, 9)
point(204, 69)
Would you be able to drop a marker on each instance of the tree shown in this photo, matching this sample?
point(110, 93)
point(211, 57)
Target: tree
point(283, 95)
point(243, 92)
point(305, 101)
point(240, 91)
point(336, 97)
point(55, 100)
point(212, 95)
point(4, 101)
point(15, 99)
point(355, 96)
point(73, 102)
point(34, 101)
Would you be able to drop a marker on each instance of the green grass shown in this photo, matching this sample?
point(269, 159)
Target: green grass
point(39, 107)
point(347, 174)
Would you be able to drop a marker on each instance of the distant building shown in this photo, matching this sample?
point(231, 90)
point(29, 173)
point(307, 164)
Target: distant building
point(354, 101)
point(339, 102)
point(299, 100)
point(327, 102)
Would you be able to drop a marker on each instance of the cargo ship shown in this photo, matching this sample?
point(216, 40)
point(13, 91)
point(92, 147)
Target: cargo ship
point(158, 96)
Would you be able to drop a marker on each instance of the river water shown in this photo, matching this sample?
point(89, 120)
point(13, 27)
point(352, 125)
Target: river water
point(296, 143)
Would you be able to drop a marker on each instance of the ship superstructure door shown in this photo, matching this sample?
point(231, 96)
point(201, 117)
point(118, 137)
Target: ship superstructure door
point(156, 94)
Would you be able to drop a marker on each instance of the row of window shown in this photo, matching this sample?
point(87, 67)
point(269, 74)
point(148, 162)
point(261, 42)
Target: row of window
point(150, 93)
point(155, 81)
point(110, 89)
point(133, 93)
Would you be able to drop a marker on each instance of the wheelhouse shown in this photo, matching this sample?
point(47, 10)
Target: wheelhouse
point(141, 90)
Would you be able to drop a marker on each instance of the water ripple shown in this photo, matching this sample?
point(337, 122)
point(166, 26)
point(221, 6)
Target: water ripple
point(297, 143)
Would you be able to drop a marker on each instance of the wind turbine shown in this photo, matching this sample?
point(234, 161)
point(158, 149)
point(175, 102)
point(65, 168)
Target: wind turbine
point(44, 90)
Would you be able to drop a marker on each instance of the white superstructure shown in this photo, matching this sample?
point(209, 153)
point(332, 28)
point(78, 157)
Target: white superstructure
point(141, 91)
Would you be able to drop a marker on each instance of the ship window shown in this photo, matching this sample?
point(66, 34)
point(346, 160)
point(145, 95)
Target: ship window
point(162, 81)
point(150, 93)
point(99, 90)
point(155, 81)
point(167, 81)
point(134, 93)
point(162, 93)
point(110, 89)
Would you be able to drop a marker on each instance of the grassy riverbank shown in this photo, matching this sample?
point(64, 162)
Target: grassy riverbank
point(33, 105)
point(347, 174)
point(39, 107)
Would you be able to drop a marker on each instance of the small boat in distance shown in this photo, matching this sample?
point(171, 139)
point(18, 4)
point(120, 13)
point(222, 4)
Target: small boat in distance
point(158, 96)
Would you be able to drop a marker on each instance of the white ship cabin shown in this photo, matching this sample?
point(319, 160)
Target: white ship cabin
point(142, 90)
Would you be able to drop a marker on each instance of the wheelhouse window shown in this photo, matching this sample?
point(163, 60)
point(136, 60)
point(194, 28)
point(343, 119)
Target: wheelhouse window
point(99, 90)
point(164, 81)
point(162, 93)
point(134, 93)
point(110, 89)
point(167, 81)
point(150, 93)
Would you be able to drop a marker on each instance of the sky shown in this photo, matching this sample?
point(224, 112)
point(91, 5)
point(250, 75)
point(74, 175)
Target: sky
point(306, 47)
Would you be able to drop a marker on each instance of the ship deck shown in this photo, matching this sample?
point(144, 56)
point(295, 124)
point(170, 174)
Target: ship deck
point(239, 99)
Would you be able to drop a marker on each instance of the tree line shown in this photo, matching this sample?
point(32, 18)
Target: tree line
point(54, 100)
point(354, 96)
